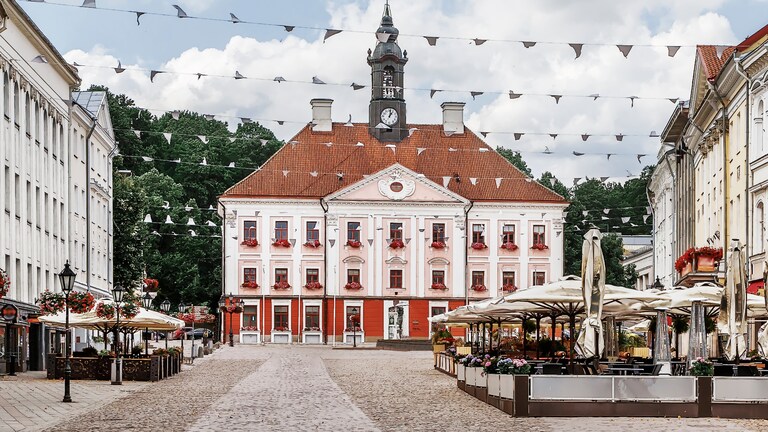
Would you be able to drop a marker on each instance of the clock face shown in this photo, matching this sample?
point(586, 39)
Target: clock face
point(389, 116)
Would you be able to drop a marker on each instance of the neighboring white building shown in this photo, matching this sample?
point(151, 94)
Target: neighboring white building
point(661, 198)
point(38, 227)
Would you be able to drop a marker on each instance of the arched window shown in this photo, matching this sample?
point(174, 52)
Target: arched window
point(388, 83)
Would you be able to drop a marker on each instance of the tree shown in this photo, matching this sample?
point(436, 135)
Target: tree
point(129, 207)
point(515, 159)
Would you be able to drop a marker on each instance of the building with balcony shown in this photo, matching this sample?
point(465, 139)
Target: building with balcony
point(367, 229)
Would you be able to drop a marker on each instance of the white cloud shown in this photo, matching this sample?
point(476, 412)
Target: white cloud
point(456, 64)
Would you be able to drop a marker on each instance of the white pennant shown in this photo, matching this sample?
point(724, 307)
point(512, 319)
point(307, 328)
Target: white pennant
point(167, 136)
point(168, 220)
point(137, 133)
point(191, 221)
point(231, 165)
point(419, 150)
point(203, 138)
point(446, 180)
point(606, 211)
point(645, 218)
point(625, 219)
point(285, 173)
point(147, 159)
point(204, 162)
point(313, 173)
point(498, 182)
point(211, 224)
point(473, 180)
point(148, 218)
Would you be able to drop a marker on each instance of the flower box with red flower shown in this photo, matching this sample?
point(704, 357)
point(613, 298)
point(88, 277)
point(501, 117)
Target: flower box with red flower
point(357, 329)
point(314, 244)
point(5, 283)
point(250, 285)
point(249, 329)
point(438, 245)
point(396, 244)
point(314, 286)
point(252, 242)
point(708, 258)
point(479, 288)
point(354, 244)
point(81, 302)
point(509, 246)
point(684, 261)
point(509, 288)
point(353, 286)
point(439, 286)
point(540, 247)
point(311, 329)
point(151, 285)
point(479, 246)
point(281, 243)
point(282, 329)
point(51, 302)
point(282, 285)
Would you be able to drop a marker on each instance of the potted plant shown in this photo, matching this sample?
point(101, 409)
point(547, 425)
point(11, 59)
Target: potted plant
point(396, 244)
point(353, 286)
point(250, 242)
point(539, 246)
point(314, 286)
point(5, 283)
point(281, 243)
point(701, 367)
point(354, 244)
point(509, 246)
point(479, 288)
point(438, 245)
point(151, 285)
point(250, 285)
point(313, 244)
point(439, 286)
point(282, 285)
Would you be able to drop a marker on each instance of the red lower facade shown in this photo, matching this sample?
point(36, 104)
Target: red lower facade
point(326, 320)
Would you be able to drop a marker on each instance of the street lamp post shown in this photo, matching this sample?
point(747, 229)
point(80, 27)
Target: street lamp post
point(165, 306)
point(182, 309)
point(67, 279)
point(117, 296)
point(231, 309)
point(146, 301)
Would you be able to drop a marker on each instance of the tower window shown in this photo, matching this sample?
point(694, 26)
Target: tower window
point(388, 83)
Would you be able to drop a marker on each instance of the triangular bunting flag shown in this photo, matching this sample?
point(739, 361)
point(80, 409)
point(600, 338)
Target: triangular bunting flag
point(167, 136)
point(576, 48)
point(625, 49)
point(498, 182)
point(137, 133)
point(446, 180)
point(148, 218)
point(147, 159)
point(431, 40)
point(529, 44)
point(168, 220)
point(479, 42)
point(152, 75)
point(584, 213)
point(625, 219)
point(645, 218)
point(473, 180)
point(203, 138)
point(382, 37)
point(584, 137)
point(518, 135)
point(119, 68)
point(175, 114)
point(285, 173)
point(329, 33)
point(672, 50)
point(475, 94)
point(513, 95)
point(180, 12)
point(432, 93)
point(619, 137)
point(420, 150)
point(606, 211)
point(556, 98)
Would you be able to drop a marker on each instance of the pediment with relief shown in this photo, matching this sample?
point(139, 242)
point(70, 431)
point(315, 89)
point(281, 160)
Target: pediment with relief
point(397, 183)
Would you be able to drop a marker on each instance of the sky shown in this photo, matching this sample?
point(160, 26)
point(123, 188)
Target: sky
point(99, 38)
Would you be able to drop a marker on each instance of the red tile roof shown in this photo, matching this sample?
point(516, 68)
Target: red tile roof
point(711, 62)
point(309, 153)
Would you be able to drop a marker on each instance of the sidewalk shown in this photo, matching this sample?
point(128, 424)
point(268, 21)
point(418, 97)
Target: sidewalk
point(30, 402)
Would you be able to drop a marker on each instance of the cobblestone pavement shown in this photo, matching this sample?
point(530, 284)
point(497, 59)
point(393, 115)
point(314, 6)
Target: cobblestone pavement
point(271, 388)
point(30, 402)
point(173, 404)
point(290, 392)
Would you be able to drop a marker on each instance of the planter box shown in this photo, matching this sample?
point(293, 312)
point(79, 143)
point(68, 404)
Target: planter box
point(687, 269)
point(438, 348)
point(507, 386)
point(494, 384)
point(461, 372)
point(312, 338)
point(250, 337)
point(705, 264)
point(281, 337)
point(470, 375)
point(97, 368)
point(349, 337)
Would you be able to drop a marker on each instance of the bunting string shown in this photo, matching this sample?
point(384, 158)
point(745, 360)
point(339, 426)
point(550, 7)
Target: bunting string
point(623, 48)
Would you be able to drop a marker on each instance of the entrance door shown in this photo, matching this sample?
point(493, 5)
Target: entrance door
point(395, 327)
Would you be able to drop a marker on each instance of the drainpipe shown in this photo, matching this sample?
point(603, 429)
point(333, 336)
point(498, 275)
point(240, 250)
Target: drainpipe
point(325, 272)
point(724, 117)
point(740, 70)
point(224, 266)
point(466, 249)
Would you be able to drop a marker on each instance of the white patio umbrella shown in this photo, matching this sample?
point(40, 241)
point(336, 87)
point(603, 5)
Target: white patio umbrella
point(148, 319)
point(732, 320)
point(593, 289)
point(641, 327)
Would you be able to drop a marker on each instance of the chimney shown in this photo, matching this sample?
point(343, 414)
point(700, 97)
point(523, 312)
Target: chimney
point(321, 115)
point(453, 117)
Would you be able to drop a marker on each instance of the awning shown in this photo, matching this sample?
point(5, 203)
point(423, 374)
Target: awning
point(755, 286)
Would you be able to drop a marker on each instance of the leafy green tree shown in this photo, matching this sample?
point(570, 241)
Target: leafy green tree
point(129, 206)
point(515, 159)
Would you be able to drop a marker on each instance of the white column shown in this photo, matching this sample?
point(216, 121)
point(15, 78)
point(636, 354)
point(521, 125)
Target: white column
point(377, 265)
point(419, 264)
point(415, 285)
point(526, 239)
point(493, 240)
point(458, 260)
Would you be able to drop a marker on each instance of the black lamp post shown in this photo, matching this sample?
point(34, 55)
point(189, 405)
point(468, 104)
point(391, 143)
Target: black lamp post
point(355, 319)
point(146, 301)
point(67, 279)
point(117, 297)
point(165, 306)
point(658, 285)
point(231, 309)
point(182, 309)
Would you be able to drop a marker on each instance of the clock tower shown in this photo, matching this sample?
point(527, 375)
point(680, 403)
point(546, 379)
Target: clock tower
point(386, 114)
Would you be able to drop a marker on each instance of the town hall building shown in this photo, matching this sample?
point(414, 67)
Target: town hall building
point(366, 230)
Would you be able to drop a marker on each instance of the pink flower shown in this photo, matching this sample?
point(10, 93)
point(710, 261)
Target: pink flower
point(487, 364)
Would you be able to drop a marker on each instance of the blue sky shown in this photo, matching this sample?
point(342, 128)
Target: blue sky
point(97, 37)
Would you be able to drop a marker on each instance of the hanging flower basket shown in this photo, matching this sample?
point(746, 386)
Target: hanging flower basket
point(353, 286)
point(438, 245)
point(479, 246)
point(509, 288)
point(282, 243)
point(151, 285)
point(250, 285)
point(250, 242)
point(354, 244)
point(479, 288)
point(313, 244)
point(129, 310)
point(5, 283)
point(509, 246)
point(282, 285)
point(81, 302)
point(233, 308)
point(396, 244)
point(51, 302)
point(104, 310)
point(539, 246)
point(439, 286)
point(198, 318)
point(314, 286)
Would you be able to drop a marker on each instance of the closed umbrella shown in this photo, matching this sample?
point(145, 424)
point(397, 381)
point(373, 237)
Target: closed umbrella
point(732, 320)
point(593, 289)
